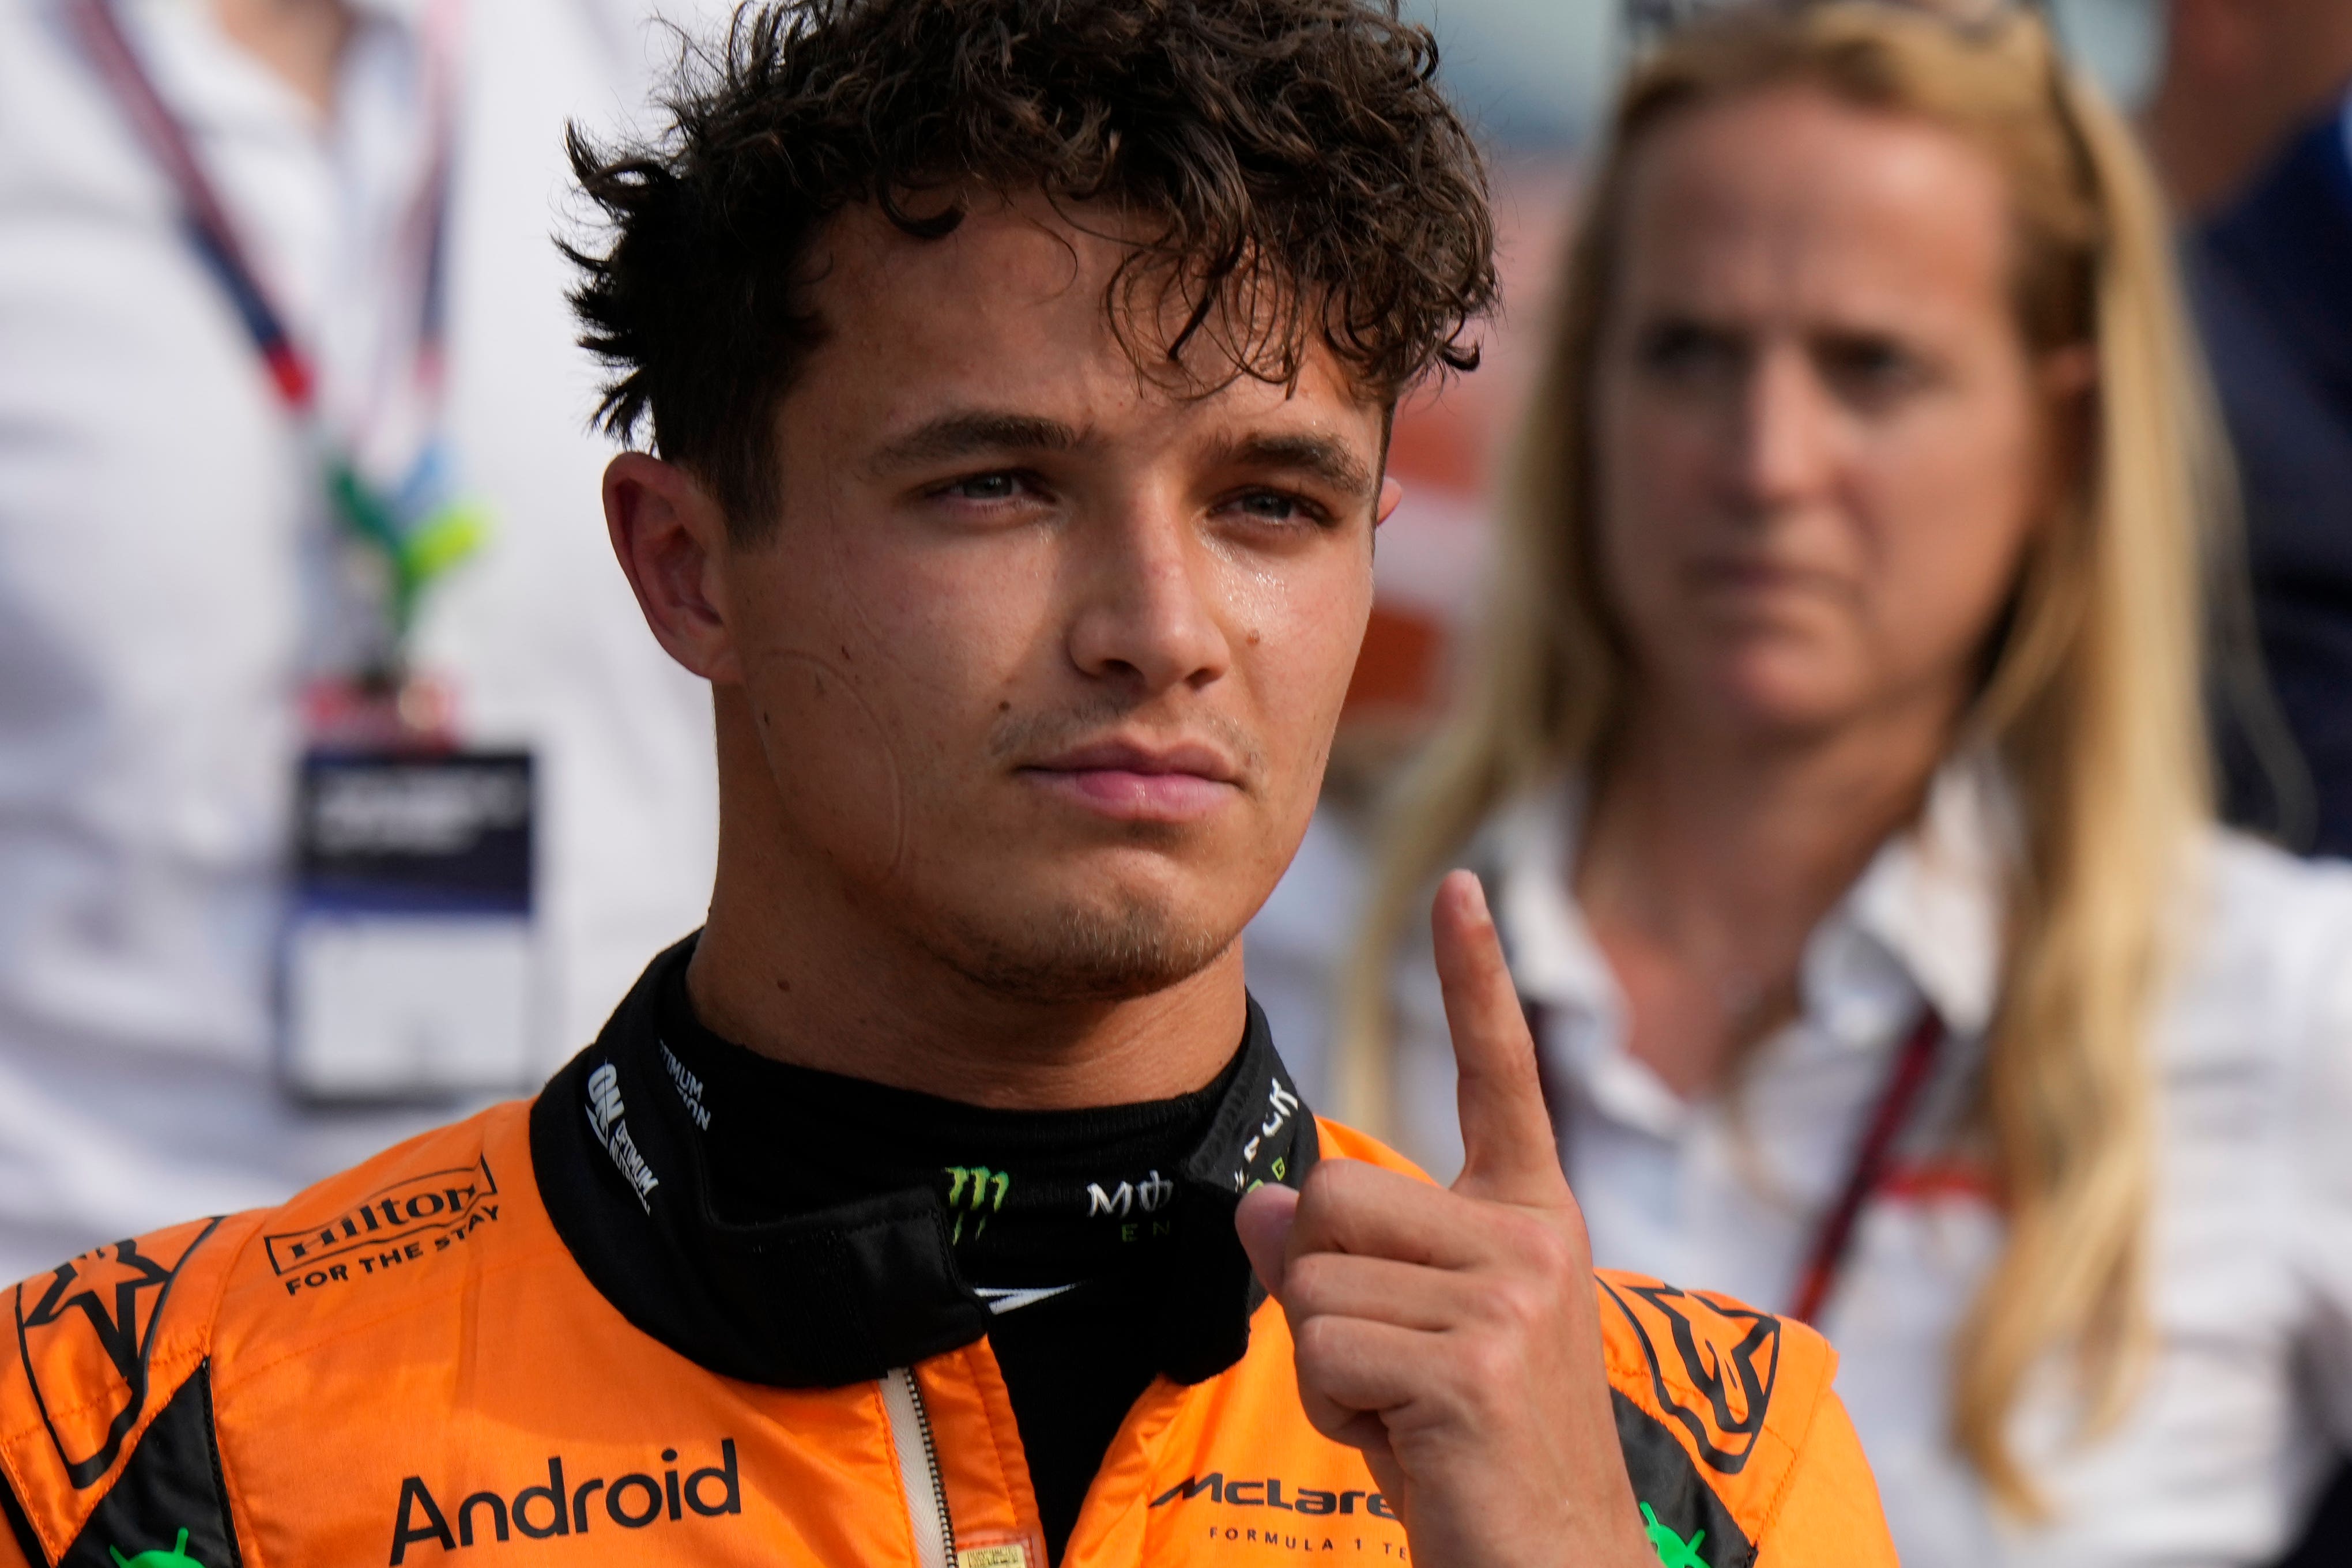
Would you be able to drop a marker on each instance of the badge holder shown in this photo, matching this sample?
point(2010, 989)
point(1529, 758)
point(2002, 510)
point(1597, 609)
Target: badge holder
point(406, 965)
point(409, 966)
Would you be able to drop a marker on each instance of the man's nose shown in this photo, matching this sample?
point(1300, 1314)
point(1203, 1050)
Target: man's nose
point(1146, 588)
point(1786, 437)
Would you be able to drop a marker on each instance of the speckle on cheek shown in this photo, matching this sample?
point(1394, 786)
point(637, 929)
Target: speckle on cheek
point(855, 802)
point(1253, 636)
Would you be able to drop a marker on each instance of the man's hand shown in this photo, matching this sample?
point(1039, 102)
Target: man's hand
point(1452, 1335)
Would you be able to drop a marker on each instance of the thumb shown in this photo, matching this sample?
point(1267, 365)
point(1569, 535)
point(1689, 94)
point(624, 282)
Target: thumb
point(1509, 1154)
point(1264, 1223)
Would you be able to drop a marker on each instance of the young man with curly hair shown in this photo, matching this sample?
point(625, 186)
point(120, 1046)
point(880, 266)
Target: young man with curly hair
point(1018, 375)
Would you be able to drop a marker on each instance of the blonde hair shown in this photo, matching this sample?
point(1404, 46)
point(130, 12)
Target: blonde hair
point(2091, 699)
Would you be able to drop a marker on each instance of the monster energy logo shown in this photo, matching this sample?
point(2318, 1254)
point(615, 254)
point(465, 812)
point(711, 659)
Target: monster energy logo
point(1151, 1193)
point(975, 1190)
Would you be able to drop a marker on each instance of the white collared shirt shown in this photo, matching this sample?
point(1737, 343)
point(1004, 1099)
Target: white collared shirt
point(2252, 1225)
point(157, 508)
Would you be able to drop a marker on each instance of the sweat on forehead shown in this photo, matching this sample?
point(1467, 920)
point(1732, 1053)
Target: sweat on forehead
point(994, 341)
point(1286, 173)
point(1017, 261)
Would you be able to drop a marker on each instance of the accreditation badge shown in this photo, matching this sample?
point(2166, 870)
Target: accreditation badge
point(409, 970)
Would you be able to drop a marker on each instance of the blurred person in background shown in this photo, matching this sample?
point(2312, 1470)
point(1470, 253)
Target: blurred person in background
point(238, 238)
point(2250, 125)
point(2251, 128)
point(2241, 81)
point(1836, 759)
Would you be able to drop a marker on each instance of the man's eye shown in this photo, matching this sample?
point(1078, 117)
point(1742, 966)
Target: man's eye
point(1274, 506)
point(985, 487)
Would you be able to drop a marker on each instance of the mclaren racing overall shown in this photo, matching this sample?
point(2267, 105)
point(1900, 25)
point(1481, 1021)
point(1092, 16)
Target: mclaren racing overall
point(530, 1338)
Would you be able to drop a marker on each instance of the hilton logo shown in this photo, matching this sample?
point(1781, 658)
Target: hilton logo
point(427, 1204)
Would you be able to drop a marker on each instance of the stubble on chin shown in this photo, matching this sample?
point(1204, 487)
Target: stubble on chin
point(1123, 946)
point(1083, 954)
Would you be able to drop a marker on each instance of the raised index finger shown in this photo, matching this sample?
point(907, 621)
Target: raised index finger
point(1509, 1154)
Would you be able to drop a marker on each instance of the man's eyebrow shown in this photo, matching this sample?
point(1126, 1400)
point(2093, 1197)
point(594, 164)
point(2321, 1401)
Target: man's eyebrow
point(969, 432)
point(1331, 460)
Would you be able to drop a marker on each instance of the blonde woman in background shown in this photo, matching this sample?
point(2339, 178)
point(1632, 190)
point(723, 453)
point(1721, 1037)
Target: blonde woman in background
point(1835, 763)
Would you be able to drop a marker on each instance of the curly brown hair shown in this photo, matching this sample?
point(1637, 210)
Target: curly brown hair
point(1298, 176)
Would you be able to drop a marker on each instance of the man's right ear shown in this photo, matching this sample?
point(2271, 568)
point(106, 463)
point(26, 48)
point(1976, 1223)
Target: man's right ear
point(671, 537)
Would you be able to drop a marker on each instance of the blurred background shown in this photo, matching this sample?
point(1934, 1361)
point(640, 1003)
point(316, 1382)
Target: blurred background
point(1535, 77)
point(2241, 105)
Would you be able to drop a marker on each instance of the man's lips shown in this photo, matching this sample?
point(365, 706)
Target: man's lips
point(1137, 782)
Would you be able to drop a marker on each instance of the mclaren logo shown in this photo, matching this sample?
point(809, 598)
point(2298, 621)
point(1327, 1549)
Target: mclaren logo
point(98, 1313)
point(1273, 1492)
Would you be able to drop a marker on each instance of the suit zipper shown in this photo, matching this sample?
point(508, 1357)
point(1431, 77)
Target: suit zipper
point(918, 1469)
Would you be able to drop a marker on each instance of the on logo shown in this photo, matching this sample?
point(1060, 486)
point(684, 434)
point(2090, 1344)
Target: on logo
point(604, 1118)
point(604, 1102)
point(975, 1189)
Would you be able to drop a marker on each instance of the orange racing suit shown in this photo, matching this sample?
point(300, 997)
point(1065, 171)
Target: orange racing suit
point(524, 1339)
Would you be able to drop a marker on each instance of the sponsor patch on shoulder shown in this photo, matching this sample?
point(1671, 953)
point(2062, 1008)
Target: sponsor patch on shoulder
point(86, 1331)
point(1713, 1365)
point(399, 1223)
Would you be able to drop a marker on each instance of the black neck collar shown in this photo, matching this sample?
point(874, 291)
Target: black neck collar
point(845, 1293)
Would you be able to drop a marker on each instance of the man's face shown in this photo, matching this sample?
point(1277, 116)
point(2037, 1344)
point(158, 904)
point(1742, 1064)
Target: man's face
point(1044, 658)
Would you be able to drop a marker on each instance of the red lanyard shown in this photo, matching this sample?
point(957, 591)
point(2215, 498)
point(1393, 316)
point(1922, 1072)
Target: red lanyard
point(215, 236)
point(413, 521)
point(1833, 1237)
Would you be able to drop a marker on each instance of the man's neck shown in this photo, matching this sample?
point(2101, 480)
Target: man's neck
point(793, 966)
